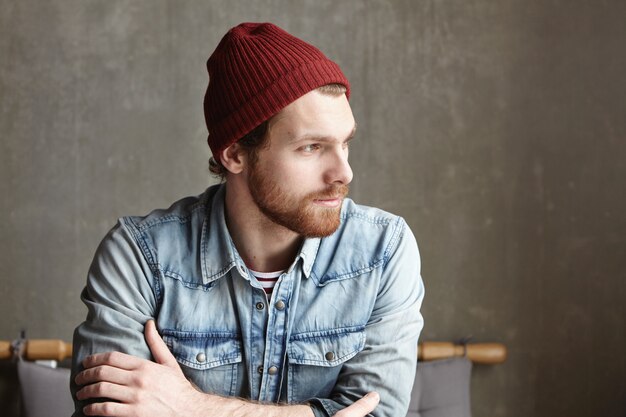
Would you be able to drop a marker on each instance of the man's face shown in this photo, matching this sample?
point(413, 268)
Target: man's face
point(301, 178)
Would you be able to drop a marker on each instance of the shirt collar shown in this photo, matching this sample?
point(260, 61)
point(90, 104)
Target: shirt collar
point(308, 253)
point(219, 254)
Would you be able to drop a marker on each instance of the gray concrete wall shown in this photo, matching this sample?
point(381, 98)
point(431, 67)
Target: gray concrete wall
point(497, 129)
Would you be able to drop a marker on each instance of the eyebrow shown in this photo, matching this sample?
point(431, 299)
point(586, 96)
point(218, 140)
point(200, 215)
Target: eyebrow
point(323, 138)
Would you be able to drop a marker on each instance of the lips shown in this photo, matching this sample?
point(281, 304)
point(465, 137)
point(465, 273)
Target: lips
point(332, 203)
point(330, 198)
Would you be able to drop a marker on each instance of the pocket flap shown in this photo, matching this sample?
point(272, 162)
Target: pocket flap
point(326, 348)
point(203, 350)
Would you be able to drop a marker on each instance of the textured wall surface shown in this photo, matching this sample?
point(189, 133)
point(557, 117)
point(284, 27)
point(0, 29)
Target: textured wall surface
point(497, 129)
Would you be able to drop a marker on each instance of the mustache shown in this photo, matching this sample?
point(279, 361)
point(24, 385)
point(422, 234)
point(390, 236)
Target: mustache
point(332, 191)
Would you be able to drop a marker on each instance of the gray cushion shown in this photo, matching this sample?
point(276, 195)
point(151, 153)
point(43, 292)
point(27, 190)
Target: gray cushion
point(45, 390)
point(442, 389)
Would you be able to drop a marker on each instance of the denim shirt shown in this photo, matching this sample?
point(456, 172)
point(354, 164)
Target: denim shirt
point(343, 320)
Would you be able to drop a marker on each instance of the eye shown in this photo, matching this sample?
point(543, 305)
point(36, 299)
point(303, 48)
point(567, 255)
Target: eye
point(312, 147)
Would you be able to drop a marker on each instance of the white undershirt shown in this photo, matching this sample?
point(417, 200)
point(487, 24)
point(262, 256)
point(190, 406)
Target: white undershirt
point(267, 280)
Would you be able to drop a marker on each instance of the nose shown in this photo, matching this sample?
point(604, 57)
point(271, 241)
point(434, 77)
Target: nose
point(339, 171)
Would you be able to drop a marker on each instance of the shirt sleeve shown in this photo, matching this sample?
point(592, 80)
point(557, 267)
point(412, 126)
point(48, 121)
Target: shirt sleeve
point(388, 362)
point(120, 299)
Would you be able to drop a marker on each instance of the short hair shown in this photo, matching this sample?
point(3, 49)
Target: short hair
point(256, 139)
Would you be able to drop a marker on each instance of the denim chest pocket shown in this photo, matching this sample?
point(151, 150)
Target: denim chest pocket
point(210, 359)
point(316, 358)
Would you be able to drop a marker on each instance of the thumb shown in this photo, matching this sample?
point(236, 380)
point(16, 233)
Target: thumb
point(158, 347)
point(369, 402)
point(362, 407)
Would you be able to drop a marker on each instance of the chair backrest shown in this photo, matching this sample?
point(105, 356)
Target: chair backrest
point(442, 389)
point(45, 390)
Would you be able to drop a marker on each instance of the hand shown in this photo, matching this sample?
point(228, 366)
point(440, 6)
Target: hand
point(142, 388)
point(362, 407)
point(138, 387)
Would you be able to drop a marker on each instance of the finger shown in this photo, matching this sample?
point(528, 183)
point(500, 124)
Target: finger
point(158, 347)
point(115, 359)
point(106, 390)
point(103, 373)
point(108, 409)
point(362, 407)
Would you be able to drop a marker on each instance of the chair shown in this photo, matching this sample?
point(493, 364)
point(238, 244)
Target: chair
point(441, 387)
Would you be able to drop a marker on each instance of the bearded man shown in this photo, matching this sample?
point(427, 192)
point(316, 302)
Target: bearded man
point(271, 294)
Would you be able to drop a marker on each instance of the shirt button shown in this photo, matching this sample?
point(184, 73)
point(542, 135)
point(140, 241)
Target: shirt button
point(260, 306)
point(330, 356)
point(260, 369)
point(273, 370)
point(280, 305)
point(201, 357)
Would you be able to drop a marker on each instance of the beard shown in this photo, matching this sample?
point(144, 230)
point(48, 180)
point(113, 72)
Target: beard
point(298, 214)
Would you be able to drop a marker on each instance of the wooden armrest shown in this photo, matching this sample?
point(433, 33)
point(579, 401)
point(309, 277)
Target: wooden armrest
point(482, 353)
point(5, 349)
point(39, 349)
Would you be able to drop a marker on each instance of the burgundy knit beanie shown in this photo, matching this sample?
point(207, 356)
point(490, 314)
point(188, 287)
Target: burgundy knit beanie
point(256, 70)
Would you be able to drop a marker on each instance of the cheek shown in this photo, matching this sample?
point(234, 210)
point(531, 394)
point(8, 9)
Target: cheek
point(295, 176)
point(298, 174)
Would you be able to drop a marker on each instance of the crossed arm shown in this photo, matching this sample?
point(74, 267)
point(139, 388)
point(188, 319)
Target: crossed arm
point(140, 388)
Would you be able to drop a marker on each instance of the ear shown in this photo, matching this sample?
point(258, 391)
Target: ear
point(233, 158)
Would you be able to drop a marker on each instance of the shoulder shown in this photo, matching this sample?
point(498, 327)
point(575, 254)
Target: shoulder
point(365, 241)
point(352, 212)
point(181, 212)
point(169, 230)
point(379, 228)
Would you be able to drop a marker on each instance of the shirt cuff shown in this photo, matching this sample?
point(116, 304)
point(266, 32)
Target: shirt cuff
point(323, 407)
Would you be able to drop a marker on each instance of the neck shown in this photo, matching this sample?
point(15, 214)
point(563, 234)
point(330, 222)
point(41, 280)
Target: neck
point(263, 245)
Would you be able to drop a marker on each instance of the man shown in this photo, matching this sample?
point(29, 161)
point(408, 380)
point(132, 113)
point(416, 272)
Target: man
point(274, 294)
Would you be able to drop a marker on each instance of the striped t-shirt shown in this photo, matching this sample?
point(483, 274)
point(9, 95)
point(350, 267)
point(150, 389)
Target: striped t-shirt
point(267, 280)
